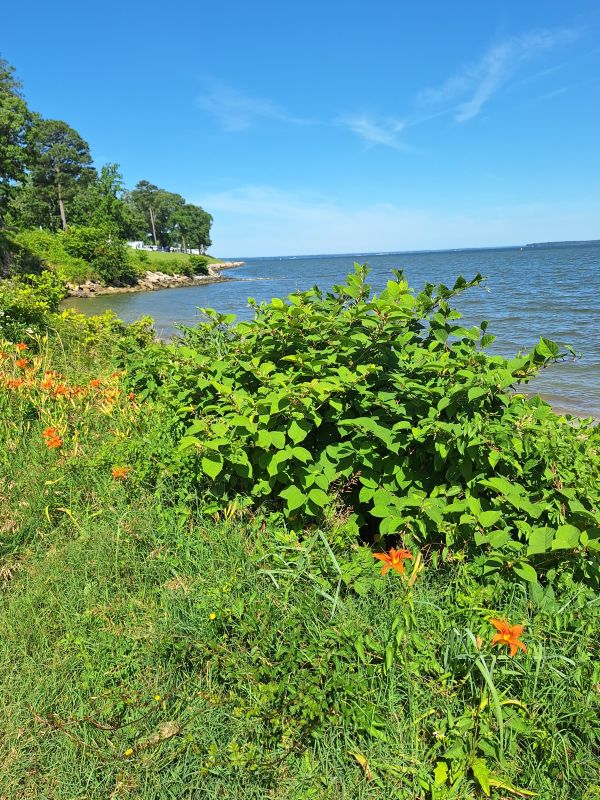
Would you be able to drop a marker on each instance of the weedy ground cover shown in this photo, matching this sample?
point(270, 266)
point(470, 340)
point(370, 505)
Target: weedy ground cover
point(167, 633)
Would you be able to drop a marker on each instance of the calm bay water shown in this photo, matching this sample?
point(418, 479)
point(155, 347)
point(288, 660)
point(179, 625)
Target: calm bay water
point(530, 292)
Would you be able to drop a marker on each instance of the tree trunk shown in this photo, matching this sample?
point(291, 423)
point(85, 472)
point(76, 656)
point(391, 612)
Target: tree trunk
point(63, 217)
point(153, 226)
point(61, 205)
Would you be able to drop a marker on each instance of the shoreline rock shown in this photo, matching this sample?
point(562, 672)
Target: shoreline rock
point(152, 281)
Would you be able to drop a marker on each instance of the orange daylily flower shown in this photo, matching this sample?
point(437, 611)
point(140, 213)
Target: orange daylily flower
point(509, 635)
point(22, 346)
point(394, 559)
point(21, 363)
point(120, 473)
point(95, 383)
point(51, 438)
point(53, 442)
point(61, 389)
point(15, 383)
point(46, 383)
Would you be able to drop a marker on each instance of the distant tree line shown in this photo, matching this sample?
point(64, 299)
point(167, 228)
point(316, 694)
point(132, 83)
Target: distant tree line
point(48, 180)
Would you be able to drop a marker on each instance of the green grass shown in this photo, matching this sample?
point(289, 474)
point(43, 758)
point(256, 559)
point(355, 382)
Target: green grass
point(119, 683)
point(111, 610)
point(169, 263)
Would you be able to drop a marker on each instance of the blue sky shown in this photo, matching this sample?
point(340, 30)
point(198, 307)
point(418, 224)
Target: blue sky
point(323, 127)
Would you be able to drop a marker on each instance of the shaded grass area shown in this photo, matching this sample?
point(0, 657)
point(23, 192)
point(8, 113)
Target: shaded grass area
point(150, 653)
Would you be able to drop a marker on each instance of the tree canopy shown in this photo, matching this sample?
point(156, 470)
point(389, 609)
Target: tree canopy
point(15, 121)
point(168, 220)
point(48, 180)
point(61, 162)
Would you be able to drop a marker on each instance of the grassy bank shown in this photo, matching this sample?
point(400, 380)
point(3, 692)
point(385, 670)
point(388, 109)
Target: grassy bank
point(169, 263)
point(168, 628)
point(82, 254)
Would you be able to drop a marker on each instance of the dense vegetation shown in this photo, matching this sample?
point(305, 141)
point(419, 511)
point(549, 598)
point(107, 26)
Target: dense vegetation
point(58, 212)
point(191, 604)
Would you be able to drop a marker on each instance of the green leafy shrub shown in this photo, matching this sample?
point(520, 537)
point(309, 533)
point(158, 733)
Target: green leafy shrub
point(104, 332)
point(78, 254)
point(42, 249)
point(16, 257)
point(385, 416)
point(26, 303)
point(105, 254)
point(199, 264)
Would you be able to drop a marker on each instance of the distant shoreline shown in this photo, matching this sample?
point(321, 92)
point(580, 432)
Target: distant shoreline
point(478, 249)
point(152, 281)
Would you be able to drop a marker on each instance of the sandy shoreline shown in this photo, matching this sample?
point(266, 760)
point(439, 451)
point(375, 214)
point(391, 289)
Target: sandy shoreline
point(151, 281)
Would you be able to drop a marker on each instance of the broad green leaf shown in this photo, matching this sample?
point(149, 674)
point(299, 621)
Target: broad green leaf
point(525, 571)
point(567, 537)
point(488, 518)
point(440, 773)
point(274, 462)
point(540, 540)
point(264, 439)
point(189, 441)
point(434, 513)
point(498, 539)
point(278, 439)
point(476, 391)
point(503, 486)
point(195, 427)
point(547, 348)
point(302, 454)
point(240, 421)
point(212, 464)
point(382, 511)
point(319, 497)
point(298, 430)
point(482, 775)
point(494, 457)
point(294, 497)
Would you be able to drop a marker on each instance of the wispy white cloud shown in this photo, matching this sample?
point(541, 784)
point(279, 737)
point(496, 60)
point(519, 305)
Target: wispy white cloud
point(469, 90)
point(551, 95)
point(235, 111)
point(463, 95)
point(385, 132)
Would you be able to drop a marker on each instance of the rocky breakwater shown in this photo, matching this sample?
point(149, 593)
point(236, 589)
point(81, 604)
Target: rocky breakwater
point(151, 281)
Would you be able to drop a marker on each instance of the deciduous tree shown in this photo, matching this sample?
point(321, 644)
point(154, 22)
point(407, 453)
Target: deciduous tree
point(15, 121)
point(62, 164)
point(191, 227)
